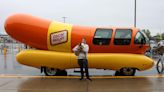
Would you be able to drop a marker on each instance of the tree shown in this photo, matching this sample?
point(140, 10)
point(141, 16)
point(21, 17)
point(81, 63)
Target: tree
point(158, 37)
point(162, 36)
point(147, 32)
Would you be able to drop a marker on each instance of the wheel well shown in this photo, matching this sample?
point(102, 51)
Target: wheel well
point(129, 67)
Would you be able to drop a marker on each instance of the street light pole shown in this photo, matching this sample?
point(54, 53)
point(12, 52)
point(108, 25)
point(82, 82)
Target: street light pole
point(4, 40)
point(64, 18)
point(135, 6)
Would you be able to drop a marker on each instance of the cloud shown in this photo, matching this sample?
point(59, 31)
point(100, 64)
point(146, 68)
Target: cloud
point(118, 13)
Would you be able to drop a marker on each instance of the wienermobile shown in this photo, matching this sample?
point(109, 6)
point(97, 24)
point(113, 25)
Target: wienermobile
point(119, 49)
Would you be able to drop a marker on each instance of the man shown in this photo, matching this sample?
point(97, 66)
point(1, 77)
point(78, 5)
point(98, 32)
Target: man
point(81, 51)
point(160, 48)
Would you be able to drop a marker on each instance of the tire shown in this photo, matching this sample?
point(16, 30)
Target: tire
point(50, 71)
point(127, 71)
point(54, 72)
point(160, 66)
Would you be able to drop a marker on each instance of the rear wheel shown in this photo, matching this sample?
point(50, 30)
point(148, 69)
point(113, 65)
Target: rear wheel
point(127, 71)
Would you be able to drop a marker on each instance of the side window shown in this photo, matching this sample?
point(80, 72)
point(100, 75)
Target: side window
point(102, 36)
point(123, 37)
point(138, 38)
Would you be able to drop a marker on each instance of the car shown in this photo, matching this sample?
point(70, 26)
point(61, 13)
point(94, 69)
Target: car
point(162, 41)
point(153, 44)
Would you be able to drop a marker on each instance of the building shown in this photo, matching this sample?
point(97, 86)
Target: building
point(10, 44)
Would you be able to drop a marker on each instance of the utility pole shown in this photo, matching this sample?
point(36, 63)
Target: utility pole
point(135, 6)
point(64, 18)
point(4, 42)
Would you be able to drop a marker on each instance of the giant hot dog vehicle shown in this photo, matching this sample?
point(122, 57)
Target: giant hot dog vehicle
point(119, 49)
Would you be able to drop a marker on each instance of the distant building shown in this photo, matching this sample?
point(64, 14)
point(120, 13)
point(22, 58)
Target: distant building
point(9, 43)
point(7, 39)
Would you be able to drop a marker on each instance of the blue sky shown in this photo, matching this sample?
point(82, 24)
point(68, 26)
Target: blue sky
point(119, 13)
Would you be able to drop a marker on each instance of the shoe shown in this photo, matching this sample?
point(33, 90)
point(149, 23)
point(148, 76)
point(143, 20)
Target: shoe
point(89, 79)
point(81, 79)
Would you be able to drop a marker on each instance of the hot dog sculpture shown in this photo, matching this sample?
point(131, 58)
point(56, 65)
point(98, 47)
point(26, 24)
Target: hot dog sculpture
point(119, 49)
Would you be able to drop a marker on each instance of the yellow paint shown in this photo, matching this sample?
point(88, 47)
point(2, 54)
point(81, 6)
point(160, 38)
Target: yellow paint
point(63, 60)
point(56, 27)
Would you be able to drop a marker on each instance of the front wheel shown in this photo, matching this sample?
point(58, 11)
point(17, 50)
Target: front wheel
point(127, 71)
point(160, 66)
point(54, 72)
point(50, 71)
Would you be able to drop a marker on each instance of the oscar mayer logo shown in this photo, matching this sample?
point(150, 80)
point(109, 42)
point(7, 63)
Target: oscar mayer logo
point(59, 37)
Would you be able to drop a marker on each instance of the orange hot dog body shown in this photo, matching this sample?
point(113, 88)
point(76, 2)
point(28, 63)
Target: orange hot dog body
point(28, 29)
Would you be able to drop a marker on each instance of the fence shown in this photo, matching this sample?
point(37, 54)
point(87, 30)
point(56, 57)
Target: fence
point(11, 48)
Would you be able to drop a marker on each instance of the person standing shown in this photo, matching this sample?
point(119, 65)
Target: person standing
point(81, 51)
point(160, 47)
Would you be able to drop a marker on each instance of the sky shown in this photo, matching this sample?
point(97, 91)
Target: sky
point(101, 13)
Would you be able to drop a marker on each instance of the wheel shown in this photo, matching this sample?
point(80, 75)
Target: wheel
point(54, 72)
point(50, 71)
point(127, 71)
point(160, 66)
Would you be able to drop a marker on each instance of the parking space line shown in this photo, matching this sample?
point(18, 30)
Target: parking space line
point(72, 77)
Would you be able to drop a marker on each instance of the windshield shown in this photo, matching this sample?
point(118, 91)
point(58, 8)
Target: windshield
point(145, 36)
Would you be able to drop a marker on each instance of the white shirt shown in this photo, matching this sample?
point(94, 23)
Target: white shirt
point(82, 55)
